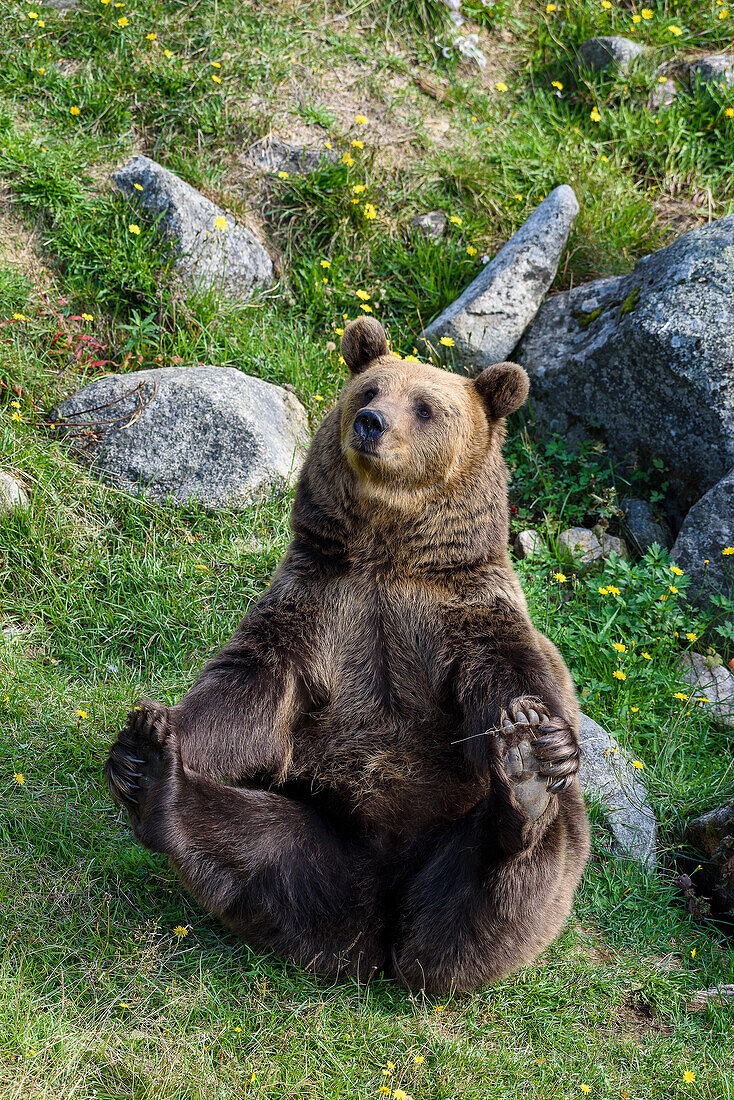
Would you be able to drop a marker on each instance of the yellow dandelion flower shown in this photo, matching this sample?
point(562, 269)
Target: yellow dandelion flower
point(366, 308)
point(87, 317)
point(180, 931)
point(348, 159)
point(18, 778)
point(606, 4)
point(216, 79)
point(728, 551)
point(220, 222)
point(356, 144)
point(550, 8)
point(691, 637)
point(470, 250)
point(619, 675)
point(419, 1059)
point(455, 219)
point(586, 1088)
point(42, 70)
point(678, 572)
point(638, 764)
point(673, 589)
point(501, 86)
point(216, 64)
point(636, 18)
point(360, 119)
point(647, 13)
point(134, 229)
point(447, 341)
point(557, 84)
point(138, 186)
point(681, 695)
point(74, 110)
point(560, 577)
point(123, 21)
point(16, 416)
point(646, 656)
point(358, 188)
point(619, 647)
point(369, 211)
point(384, 1089)
point(675, 30)
point(327, 145)
point(283, 175)
point(693, 953)
point(82, 714)
point(439, 1008)
point(595, 116)
point(603, 591)
point(33, 15)
point(729, 112)
point(19, 317)
point(400, 1094)
point(722, 15)
point(41, 23)
point(325, 263)
point(614, 590)
point(152, 36)
point(363, 295)
point(339, 331)
point(634, 709)
point(167, 53)
point(688, 1076)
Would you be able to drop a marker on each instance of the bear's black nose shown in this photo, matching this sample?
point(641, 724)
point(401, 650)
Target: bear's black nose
point(369, 425)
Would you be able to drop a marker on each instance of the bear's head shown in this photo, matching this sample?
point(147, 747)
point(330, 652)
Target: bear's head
point(413, 427)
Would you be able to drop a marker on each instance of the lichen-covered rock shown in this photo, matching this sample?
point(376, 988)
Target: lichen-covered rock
point(712, 835)
point(528, 544)
point(608, 775)
point(642, 524)
point(580, 544)
point(713, 68)
point(431, 225)
point(487, 320)
point(711, 680)
point(609, 52)
point(647, 358)
point(270, 154)
point(211, 435)
point(12, 494)
point(212, 251)
point(707, 531)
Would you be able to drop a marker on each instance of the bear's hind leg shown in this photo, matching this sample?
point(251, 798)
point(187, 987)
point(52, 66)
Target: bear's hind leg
point(271, 868)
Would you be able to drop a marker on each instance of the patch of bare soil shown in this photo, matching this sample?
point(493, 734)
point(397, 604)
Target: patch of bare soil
point(18, 245)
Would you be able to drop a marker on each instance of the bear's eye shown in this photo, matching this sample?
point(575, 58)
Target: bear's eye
point(369, 395)
point(423, 411)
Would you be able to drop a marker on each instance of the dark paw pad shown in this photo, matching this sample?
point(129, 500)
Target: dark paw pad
point(138, 757)
point(554, 744)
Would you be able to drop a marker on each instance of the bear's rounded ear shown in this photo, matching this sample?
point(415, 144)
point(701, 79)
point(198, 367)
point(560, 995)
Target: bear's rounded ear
point(503, 388)
point(363, 340)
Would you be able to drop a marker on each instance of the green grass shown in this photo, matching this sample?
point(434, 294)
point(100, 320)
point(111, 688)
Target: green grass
point(105, 597)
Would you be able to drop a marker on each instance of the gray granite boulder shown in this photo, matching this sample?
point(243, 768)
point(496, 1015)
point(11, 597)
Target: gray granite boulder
point(711, 679)
point(646, 359)
point(609, 52)
point(431, 225)
point(608, 776)
point(270, 154)
point(528, 544)
point(580, 544)
point(12, 494)
point(707, 531)
point(643, 525)
point(712, 836)
point(212, 251)
point(487, 320)
point(211, 435)
point(713, 68)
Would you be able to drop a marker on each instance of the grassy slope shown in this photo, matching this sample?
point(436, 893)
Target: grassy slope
point(111, 597)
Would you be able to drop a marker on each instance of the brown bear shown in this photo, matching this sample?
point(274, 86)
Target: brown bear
point(379, 771)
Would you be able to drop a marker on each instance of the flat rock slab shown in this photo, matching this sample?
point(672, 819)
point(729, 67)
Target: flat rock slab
point(212, 251)
point(211, 435)
point(609, 52)
point(712, 682)
point(487, 320)
point(707, 531)
point(270, 154)
point(647, 358)
point(607, 774)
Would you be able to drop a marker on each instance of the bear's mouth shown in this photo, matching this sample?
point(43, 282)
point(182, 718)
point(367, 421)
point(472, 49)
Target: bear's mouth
point(363, 446)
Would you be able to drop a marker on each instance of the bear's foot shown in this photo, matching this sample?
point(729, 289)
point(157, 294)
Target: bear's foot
point(539, 754)
point(140, 758)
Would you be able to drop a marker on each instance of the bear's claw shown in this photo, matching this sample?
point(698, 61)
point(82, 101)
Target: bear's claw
point(539, 753)
point(136, 760)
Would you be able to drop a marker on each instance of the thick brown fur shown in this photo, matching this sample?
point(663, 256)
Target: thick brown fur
point(378, 771)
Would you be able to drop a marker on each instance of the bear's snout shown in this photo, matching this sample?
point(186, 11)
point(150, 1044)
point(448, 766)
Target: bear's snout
point(370, 425)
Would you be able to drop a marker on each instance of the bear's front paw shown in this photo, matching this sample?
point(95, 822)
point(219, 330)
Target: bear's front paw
point(140, 759)
point(550, 740)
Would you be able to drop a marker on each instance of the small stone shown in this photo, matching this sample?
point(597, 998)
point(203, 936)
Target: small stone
point(528, 544)
point(611, 544)
point(212, 251)
point(664, 94)
point(270, 154)
point(208, 435)
point(580, 544)
point(713, 680)
point(609, 52)
point(12, 494)
point(713, 68)
point(61, 5)
point(607, 774)
point(432, 224)
point(488, 319)
point(643, 526)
